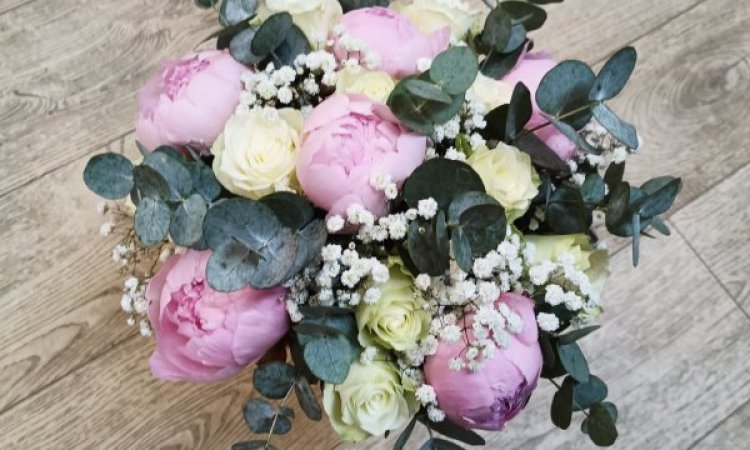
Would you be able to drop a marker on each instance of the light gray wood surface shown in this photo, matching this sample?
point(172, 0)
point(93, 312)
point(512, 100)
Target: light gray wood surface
point(74, 375)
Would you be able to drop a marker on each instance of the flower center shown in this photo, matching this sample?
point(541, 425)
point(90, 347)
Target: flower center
point(178, 76)
point(183, 307)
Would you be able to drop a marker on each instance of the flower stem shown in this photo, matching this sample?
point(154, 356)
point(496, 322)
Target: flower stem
point(276, 416)
point(560, 117)
point(574, 400)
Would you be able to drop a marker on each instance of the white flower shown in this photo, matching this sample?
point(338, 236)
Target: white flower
point(426, 394)
point(450, 334)
point(131, 283)
point(380, 273)
point(423, 281)
point(456, 364)
point(391, 191)
point(106, 228)
point(145, 328)
point(427, 208)
point(335, 223)
point(368, 355)
point(285, 95)
point(331, 252)
point(554, 295)
point(548, 322)
point(372, 295)
point(423, 64)
point(482, 268)
point(126, 304)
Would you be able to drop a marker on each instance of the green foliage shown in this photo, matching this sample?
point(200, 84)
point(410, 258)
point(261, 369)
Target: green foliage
point(233, 12)
point(170, 164)
point(587, 394)
point(260, 415)
point(452, 430)
point(403, 438)
point(277, 40)
point(530, 16)
point(566, 88)
point(572, 359)
point(251, 445)
point(187, 225)
point(455, 69)
point(327, 343)
point(328, 357)
point(272, 33)
point(351, 5)
point(601, 426)
point(571, 133)
point(497, 65)
point(614, 75)
point(575, 335)
point(484, 226)
point(593, 189)
point(497, 29)
point(541, 155)
point(273, 380)
point(152, 220)
point(621, 130)
point(306, 399)
point(440, 444)
point(519, 111)
point(428, 245)
point(566, 212)
point(240, 46)
point(109, 175)
point(427, 90)
point(442, 179)
point(561, 410)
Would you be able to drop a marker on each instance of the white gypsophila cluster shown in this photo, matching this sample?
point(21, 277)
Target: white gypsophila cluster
point(135, 304)
point(612, 150)
point(382, 182)
point(304, 85)
point(358, 53)
point(548, 322)
point(467, 122)
point(427, 208)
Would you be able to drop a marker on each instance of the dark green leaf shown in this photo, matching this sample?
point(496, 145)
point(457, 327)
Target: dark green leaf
point(660, 226)
point(636, 244)
point(440, 444)
point(592, 190)
point(204, 181)
point(454, 431)
point(235, 11)
point(152, 218)
point(350, 5)
point(519, 111)
point(251, 222)
point(544, 2)
point(293, 211)
point(240, 46)
point(574, 362)
point(485, 227)
point(618, 207)
point(497, 29)
point(187, 226)
point(587, 394)
point(295, 44)
point(462, 250)
point(330, 325)
point(575, 335)
point(173, 170)
point(250, 445)
point(467, 200)
point(662, 193)
point(109, 175)
point(149, 183)
point(442, 179)
point(517, 38)
point(426, 90)
point(497, 65)
point(259, 417)
point(271, 34)
point(532, 17)
point(455, 69)
point(440, 113)
point(614, 75)
point(621, 130)
point(566, 213)
point(405, 435)
point(566, 88)
point(273, 380)
point(601, 427)
point(407, 108)
point(328, 358)
point(614, 174)
point(562, 405)
point(541, 155)
point(230, 266)
point(307, 400)
point(308, 243)
point(427, 246)
point(496, 123)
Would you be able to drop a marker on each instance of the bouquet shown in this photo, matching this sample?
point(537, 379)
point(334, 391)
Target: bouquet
point(394, 207)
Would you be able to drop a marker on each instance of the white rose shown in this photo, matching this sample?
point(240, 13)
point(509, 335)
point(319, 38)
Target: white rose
point(314, 17)
point(376, 85)
point(508, 175)
point(257, 153)
point(432, 15)
point(492, 93)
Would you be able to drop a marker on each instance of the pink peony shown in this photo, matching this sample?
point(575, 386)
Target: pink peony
point(530, 70)
point(499, 390)
point(346, 140)
point(391, 36)
point(188, 101)
point(203, 335)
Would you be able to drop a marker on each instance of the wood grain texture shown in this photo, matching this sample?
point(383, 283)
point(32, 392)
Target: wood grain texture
point(718, 226)
point(69, 79)
point(731, 434)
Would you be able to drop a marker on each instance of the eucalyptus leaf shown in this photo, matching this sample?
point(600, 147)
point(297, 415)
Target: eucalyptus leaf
point(570, 133)
point(462, 250)
point(593, 190)
point(328, 358)
point(532, 17)
point(293, 45)
point(187, 225)
point(497, 120)
point(621, 130)
point(455, 69)
point(230, 266)
point(662, 193)
point(601, 427)
point(497, 29)
point(452, 430)
point(235, 11)
point(575, 335)
point(109, 175)
point(149, 183)
point(497, 65)
point(271, 34)
point(306, 399)
point(587, 394)
point(561, 410)
point(485, 227)
point(273, 380)
point(660, 226)
point(519, 111)
point(466, 200)
point(614, 75)
point(351, 5)
point(250, 445)
point(426, 247)
point(566, 88)
point(240, 47)
point(309, 241)
point(574, 362)
point(440, 444)
point(251, 222)
point(442, 179)
point(566, 213)
point(614, 174)
point(427, 91)
point(259, 417)
point(407, 108)
point(541, 155)
point(173, 170)
point(204, 181)
point(206, 3)
point(293, 211)
point(440, 113)
point(152, 219)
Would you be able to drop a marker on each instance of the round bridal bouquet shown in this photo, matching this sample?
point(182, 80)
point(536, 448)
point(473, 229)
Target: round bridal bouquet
point(391, 209)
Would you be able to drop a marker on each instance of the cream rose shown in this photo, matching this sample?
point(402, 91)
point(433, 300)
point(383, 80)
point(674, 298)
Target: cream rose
point(375, 85)
point(432, 15)
point(397, 320)
point(508, 176)
point(314, 17)
point(594, 263)
point(371, 401)
point(492, 93)
point(256, 154)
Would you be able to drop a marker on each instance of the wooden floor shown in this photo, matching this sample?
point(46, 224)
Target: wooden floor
point(73, 375)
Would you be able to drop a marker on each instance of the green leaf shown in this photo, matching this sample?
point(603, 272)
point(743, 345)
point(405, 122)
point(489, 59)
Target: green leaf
point(575, 335)
point(173, 170)
point(152, 218)
point(328, 358)
point(250, 445)
point(519, 111)
point(149, 183)
point(636, 244)
point(621, 130)
point(541, 155)
point(271, 34)
point(618, 207)
point(405, 435)
point(187, 225)
point(330, 324)
point(561, 410)
point(440, 113)
point(306, 399)
point(230, 266)
point(565, 88)
point(204, 181)
point(497, 65)
point(440, 444)
point(496, 123)
point(614, 174)
point(660, 226)
point(409, 112)
point(593, 189)
point(426, 244)
point(570, 133)
point(614, 75)
point(497, 29)
point(251, 222)
point(351, 5)
point(259, 417)
point(235, 11)
point(544, 2)
point(240, 46)
point(532, 17)
point(273, 380)
point(587, 394)
point(442, 179)
point(294, 44)
point(601, 427)
point(566, 213)
point(462, 250)
point(455, 69)
point(454, 431)
point(293, 211)
point(427, 91)
point(467, 200)
point(109, 175)
point(571, 357)
point(485, 227)
point(308, 243)
point(662, 193)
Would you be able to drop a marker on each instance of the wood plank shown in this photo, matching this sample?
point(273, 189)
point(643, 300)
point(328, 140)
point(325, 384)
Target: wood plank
point(717, 225)
point(69, 74)
point(732, 434)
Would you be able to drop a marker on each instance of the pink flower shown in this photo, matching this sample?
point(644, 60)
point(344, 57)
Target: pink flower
point(392, 37)
point(188, 101)
point(203, 335)
point(499, 390)
point(530, 70)
point(346, 140)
